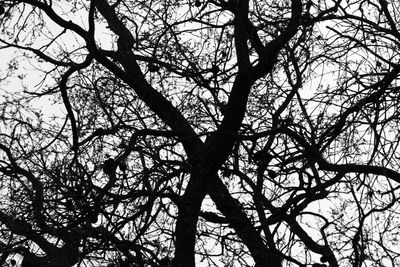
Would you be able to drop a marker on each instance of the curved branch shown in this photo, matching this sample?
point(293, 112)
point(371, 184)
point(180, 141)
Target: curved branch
point(67, 104)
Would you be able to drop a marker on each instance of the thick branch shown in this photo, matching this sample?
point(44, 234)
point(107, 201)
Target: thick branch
point(231, 209)
point(133, 76)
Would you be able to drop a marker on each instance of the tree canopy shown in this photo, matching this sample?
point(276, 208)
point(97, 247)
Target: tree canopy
point(199, 133)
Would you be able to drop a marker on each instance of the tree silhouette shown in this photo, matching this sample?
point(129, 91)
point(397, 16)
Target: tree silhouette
point(207, 133)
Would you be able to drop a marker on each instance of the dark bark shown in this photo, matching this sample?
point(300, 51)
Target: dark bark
point(232, 210)
point(61, 257)
point(189, 210)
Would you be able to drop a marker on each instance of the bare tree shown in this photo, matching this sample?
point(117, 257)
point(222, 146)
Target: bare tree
point(208, 133)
